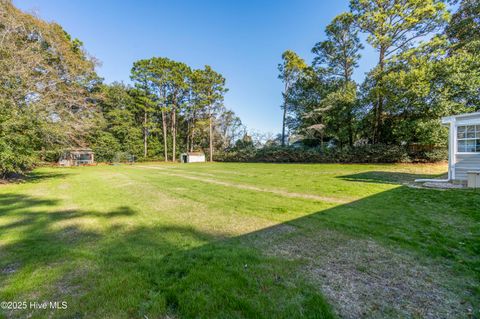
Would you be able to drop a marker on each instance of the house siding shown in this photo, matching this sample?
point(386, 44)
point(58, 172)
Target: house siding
point(459, 164)
point(196, 158)
point(465, 163)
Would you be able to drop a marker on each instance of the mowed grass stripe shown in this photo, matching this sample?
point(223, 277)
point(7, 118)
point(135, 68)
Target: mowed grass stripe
point(349, 182)
point(133, 248)
point(248, 187)
point(236, 211)
point(128, 242)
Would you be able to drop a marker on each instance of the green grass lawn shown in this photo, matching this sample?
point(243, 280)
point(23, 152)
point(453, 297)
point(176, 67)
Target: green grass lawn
point(228, 240)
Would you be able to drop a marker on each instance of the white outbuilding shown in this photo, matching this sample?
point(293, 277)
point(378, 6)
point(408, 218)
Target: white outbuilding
point(76, 157)
point(193, 157)
point(463, 146)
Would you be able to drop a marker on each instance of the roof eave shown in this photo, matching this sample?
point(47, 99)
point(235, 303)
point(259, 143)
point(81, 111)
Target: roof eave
point(447, 120)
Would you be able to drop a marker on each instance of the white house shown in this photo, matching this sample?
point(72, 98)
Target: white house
point(193, 157)
point(463, 145)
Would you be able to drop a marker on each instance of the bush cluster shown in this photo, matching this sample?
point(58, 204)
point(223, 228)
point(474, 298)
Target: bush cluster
point(378, 153)
point(15, 159)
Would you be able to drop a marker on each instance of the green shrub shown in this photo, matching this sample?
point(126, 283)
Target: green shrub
point(435, 155)
point(105, 147)
point(15, 159)
point(378, 153)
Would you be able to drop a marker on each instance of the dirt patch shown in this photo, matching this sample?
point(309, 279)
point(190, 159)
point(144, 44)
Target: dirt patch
point(435, 186)
point(70, 285)
point(363, 279)
point(251, 187)
point(10, 269)
point(11, 181)
point(443, 185)
point(64, 186)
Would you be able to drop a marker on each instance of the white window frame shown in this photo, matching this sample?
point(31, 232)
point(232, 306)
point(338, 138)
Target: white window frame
point(475, 138)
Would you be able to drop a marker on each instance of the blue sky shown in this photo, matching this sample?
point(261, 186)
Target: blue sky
point(241, 39)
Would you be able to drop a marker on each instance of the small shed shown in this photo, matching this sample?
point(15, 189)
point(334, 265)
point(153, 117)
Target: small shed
point(463, 145)
point(76, 157)
point(193, 157)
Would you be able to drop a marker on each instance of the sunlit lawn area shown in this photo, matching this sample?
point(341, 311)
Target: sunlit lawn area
point(239, 241)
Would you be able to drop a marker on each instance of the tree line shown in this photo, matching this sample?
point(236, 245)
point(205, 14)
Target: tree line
point(51, 99)
point(171, 108)
point(428, 66)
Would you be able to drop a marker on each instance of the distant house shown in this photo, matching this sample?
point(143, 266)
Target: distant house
point(193, 157)
point(463, 145)
point(76, 157)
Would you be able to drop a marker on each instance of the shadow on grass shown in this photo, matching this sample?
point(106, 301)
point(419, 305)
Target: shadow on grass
point(388, 177)
point(11, 203)
point(106, 265)
point(31, 177)
point(401, 253)
point(38, 176)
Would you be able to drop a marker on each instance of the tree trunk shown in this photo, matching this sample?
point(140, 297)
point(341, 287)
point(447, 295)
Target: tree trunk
point(191, 139)
point(380, 99)
point(211, 138)
point(145, 133)
point(164, 127)
point(284, 114)
point(193, 131)
point(174, 133)
point(188, 135)
point(283, 123)
point(350, 107)
point(350, 129)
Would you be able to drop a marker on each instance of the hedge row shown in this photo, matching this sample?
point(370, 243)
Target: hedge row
point(378, 153)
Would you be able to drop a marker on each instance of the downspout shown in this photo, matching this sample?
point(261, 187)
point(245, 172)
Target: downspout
point(452, 150)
